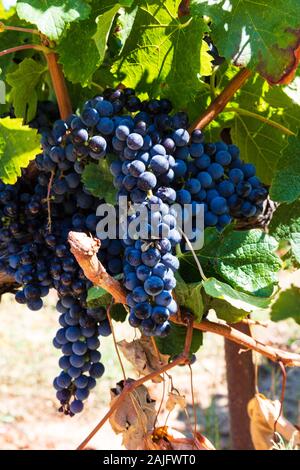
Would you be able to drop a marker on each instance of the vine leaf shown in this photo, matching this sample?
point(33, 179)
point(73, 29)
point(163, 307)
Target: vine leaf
point(188, 296)
point(154, 58)
point(140, 352)
point(52, 16)
point(245, 260)
point(226, 311)
point(257, 34)
point(134, 418)
point(24, 82)
point(98, 297)
point(174, 343)
point(104, 24)
point(286, 182)
point(98, 180)
point(237, 299)
point(285, 225)
point(79, 67)
point(287, 305)
point(18, 146)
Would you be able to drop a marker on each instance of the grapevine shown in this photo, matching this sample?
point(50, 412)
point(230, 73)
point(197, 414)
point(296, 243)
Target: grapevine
point(140, 187)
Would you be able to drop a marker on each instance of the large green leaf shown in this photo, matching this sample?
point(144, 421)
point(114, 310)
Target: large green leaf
point(52, 16)
point(262, 35)
point(188, 297)
point(247, 261)
point(24, 82)
point(155, 58)
point(237, 299)
point(286, 182)
point(98, 180)
point(244, 259)
point(18, 145)
point(285, 225)
point(173, 344)
point(287, 305)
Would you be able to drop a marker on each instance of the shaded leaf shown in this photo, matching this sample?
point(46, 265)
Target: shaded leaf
point(118, 312)
point(173, 344)
point(98, 297)
point(18, 146)
point(287, 305)
point(225, 311)
point(285, 225)
point(286, 182)
point(24, 82)
point(188, 296)
point(98, 180)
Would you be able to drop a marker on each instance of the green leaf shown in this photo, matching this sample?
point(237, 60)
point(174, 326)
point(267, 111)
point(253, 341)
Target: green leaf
point(285, 225)
point(173, 344)
point(237, 299)
point(79, 67)
point(286, 182)
point(247, 261)
point(125, 23)
point(118, 312)
point(24, 82)
point(18, 145)
point(287, 305)
point(52, 16)
point(98, 297)
point(155, 58)
point(260, 35)
point(98, 180)
point(189, 296)
point(104, 24)
point(244, 259)
point(226, 311)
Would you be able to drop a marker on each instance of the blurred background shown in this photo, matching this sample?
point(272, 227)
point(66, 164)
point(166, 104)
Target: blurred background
point(28, 363)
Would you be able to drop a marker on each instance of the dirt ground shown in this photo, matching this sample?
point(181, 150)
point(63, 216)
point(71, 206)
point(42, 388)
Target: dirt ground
point(28, 364)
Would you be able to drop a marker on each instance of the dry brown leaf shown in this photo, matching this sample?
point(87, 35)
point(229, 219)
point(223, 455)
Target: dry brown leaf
point(166, 438)
point(175, 399)
point(143, 356)
point(263, 413)
point(134, 418)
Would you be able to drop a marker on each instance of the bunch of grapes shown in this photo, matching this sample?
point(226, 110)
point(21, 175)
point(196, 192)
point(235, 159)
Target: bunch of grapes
point(158, 163)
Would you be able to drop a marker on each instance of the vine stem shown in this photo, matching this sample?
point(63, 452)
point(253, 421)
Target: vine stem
point(219, 103)
point(85, 249)
point(37, 47)
point(59, 85)
point(18, 28)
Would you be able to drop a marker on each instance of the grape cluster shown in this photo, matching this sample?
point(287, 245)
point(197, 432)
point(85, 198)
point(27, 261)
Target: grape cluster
point(217, 178)
point(158, 164)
